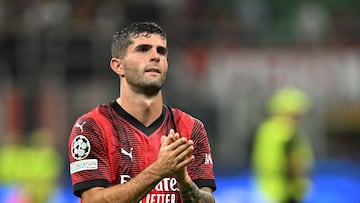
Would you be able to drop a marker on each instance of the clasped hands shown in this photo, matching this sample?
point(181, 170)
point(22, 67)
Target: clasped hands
point(175, 154)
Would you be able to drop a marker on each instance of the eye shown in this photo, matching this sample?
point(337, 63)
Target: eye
point(143, 48)
point(161, 50)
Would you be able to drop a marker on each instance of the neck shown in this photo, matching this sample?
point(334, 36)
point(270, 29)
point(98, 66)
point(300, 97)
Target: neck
point(145, 109)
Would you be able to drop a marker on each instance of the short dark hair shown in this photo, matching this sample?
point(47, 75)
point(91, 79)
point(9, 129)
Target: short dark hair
point(121, 40)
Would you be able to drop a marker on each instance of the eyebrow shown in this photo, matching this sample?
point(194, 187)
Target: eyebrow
point(148, 46)
point(143, 46)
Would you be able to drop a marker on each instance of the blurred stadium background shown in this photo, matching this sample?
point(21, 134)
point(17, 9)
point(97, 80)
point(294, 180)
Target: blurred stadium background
point(226, 58)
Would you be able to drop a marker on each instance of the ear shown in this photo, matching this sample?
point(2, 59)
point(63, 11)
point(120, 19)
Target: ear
point(117, 66)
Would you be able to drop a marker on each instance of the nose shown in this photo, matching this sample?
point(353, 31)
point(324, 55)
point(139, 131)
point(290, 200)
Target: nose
point(155, 56)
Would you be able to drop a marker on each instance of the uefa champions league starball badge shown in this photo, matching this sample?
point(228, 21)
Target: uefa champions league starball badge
point(80, 147)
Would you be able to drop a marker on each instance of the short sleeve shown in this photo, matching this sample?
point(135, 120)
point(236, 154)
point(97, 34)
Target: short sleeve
point(89, 164)
point(201, 169)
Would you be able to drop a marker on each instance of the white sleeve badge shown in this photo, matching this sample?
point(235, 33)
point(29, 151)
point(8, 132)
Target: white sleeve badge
point(80, 147)
point(87, 164)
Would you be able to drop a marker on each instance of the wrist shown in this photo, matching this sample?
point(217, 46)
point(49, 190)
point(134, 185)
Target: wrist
point(184, 181)
point(153, 171)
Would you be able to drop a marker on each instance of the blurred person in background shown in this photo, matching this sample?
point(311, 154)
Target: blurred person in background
point(13, 169)
point(135, 148)
point(282, 157)
point(31, 170)
point(46, 165)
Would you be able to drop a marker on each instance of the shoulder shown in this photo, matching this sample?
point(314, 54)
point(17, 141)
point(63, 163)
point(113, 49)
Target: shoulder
point(186, 116)
point(181, 114)
point(91, 120)
point(88, 127)
point(94, 113)
point(188, 124)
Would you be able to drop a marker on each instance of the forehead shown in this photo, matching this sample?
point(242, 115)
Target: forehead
point(150, 39)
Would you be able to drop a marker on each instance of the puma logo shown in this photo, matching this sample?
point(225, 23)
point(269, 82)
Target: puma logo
point(80, 126)
point(129, 154)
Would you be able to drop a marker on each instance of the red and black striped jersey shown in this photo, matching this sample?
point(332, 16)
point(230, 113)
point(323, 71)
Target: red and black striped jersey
point(108, 146)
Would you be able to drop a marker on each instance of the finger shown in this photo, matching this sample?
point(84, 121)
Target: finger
point(177, 136)
point(181, 141)
point(183, 152)
point(174, 135)
point(186, 161)
point(166, 140)
point(183, 147)
point(162, 139)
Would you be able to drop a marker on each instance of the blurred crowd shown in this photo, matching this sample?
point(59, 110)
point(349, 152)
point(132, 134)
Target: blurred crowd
point(230, 55)
point(72, 37)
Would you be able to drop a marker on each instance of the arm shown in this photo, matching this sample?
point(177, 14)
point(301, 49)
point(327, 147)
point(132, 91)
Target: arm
point(174, 155)
point(191, 193)
point(132, 191)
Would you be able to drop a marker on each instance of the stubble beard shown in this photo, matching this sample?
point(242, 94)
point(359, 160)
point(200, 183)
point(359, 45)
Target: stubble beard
point(146, 86)
point(151, 88)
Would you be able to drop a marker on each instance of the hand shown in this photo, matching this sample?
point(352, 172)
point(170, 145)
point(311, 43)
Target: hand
point(175, 154)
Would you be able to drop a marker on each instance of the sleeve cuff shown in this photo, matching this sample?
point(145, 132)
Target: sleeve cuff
point(79, 188)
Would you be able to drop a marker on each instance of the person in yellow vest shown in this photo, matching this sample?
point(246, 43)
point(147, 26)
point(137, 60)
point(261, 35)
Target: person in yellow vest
point(282, 156)
point(33, 169)
point(45, 163)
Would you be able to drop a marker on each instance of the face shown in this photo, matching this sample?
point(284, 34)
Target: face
point(144, 66)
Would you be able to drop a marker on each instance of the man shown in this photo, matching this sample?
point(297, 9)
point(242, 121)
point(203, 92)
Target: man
point(282, 155)
point(137, 149)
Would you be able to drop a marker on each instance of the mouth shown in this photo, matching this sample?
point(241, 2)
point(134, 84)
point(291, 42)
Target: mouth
point(152, 70)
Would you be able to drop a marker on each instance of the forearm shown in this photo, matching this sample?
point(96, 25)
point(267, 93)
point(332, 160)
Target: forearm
point(193, 194)
point(132, 191)
point(190, 193)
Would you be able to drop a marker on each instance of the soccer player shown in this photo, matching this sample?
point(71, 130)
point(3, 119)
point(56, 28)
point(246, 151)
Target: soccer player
point(136, 148)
